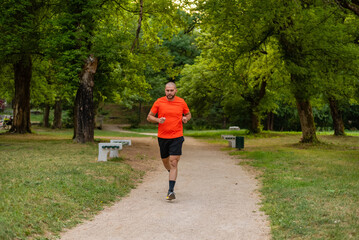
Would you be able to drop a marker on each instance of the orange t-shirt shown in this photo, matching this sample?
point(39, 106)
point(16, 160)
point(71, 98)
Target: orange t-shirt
point(173, 112)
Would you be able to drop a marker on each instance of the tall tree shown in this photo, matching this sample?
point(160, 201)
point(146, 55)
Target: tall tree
point(244, 62)
point(317, 41)
point(103, 48)
point(71, 44)
point(20, 33)
point(306, 33)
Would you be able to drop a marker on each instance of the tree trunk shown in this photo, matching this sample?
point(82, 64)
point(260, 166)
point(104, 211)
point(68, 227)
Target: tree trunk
point(270, 121)
point(255, 123)
point(84, 115)
point(224, 122)
point(338, 123)
point(57, 114)
point(22, 74)
point(307, 124)
point(46, 116)
point(254, 100)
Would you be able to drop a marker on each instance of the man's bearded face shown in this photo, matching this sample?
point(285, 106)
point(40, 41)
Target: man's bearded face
point(170, 92)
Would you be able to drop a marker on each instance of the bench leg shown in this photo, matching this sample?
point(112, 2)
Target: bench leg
point(102, 155)
point(114, 153)
point(232, 143)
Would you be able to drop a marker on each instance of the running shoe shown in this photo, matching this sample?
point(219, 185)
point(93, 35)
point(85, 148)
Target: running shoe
point(171, 196)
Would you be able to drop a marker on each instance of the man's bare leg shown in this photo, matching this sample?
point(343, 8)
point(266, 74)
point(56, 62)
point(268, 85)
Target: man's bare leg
point(173, 162)
point(166, 163)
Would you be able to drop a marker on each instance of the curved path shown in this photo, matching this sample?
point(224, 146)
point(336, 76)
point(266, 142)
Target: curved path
point(216, 199)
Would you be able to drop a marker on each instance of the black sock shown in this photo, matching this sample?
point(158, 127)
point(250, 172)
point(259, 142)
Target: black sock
point(172, 186)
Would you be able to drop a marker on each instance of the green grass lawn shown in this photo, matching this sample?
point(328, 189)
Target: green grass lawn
point(309, 191)
point(213, 133)
point(48, 183)
point(68, 133)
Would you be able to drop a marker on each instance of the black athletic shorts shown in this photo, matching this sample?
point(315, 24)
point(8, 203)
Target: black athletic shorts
point(170, 146)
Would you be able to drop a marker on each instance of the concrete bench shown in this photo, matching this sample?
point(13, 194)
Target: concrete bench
point(105, 148)
point(234, 128)
point(124, 142)
point(231, 140)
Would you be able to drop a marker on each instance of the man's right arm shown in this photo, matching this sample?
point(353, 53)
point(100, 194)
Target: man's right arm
point(151, 117)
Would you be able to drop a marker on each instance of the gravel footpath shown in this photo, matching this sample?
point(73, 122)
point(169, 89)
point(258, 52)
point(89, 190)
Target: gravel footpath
point(216, 199)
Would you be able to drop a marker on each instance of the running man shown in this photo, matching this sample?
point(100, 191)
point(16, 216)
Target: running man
point(172, 112)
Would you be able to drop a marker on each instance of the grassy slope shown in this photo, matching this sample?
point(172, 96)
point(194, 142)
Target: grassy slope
point(48, 183)
point(309, 191)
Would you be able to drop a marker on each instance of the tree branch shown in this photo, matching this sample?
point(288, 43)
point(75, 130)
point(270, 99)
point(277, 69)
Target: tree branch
point(138, 12)
point(127, 10)
point(352, 5)
point(135, 42)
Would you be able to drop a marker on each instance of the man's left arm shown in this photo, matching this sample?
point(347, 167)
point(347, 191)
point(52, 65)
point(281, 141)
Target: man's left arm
point(186, 117)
